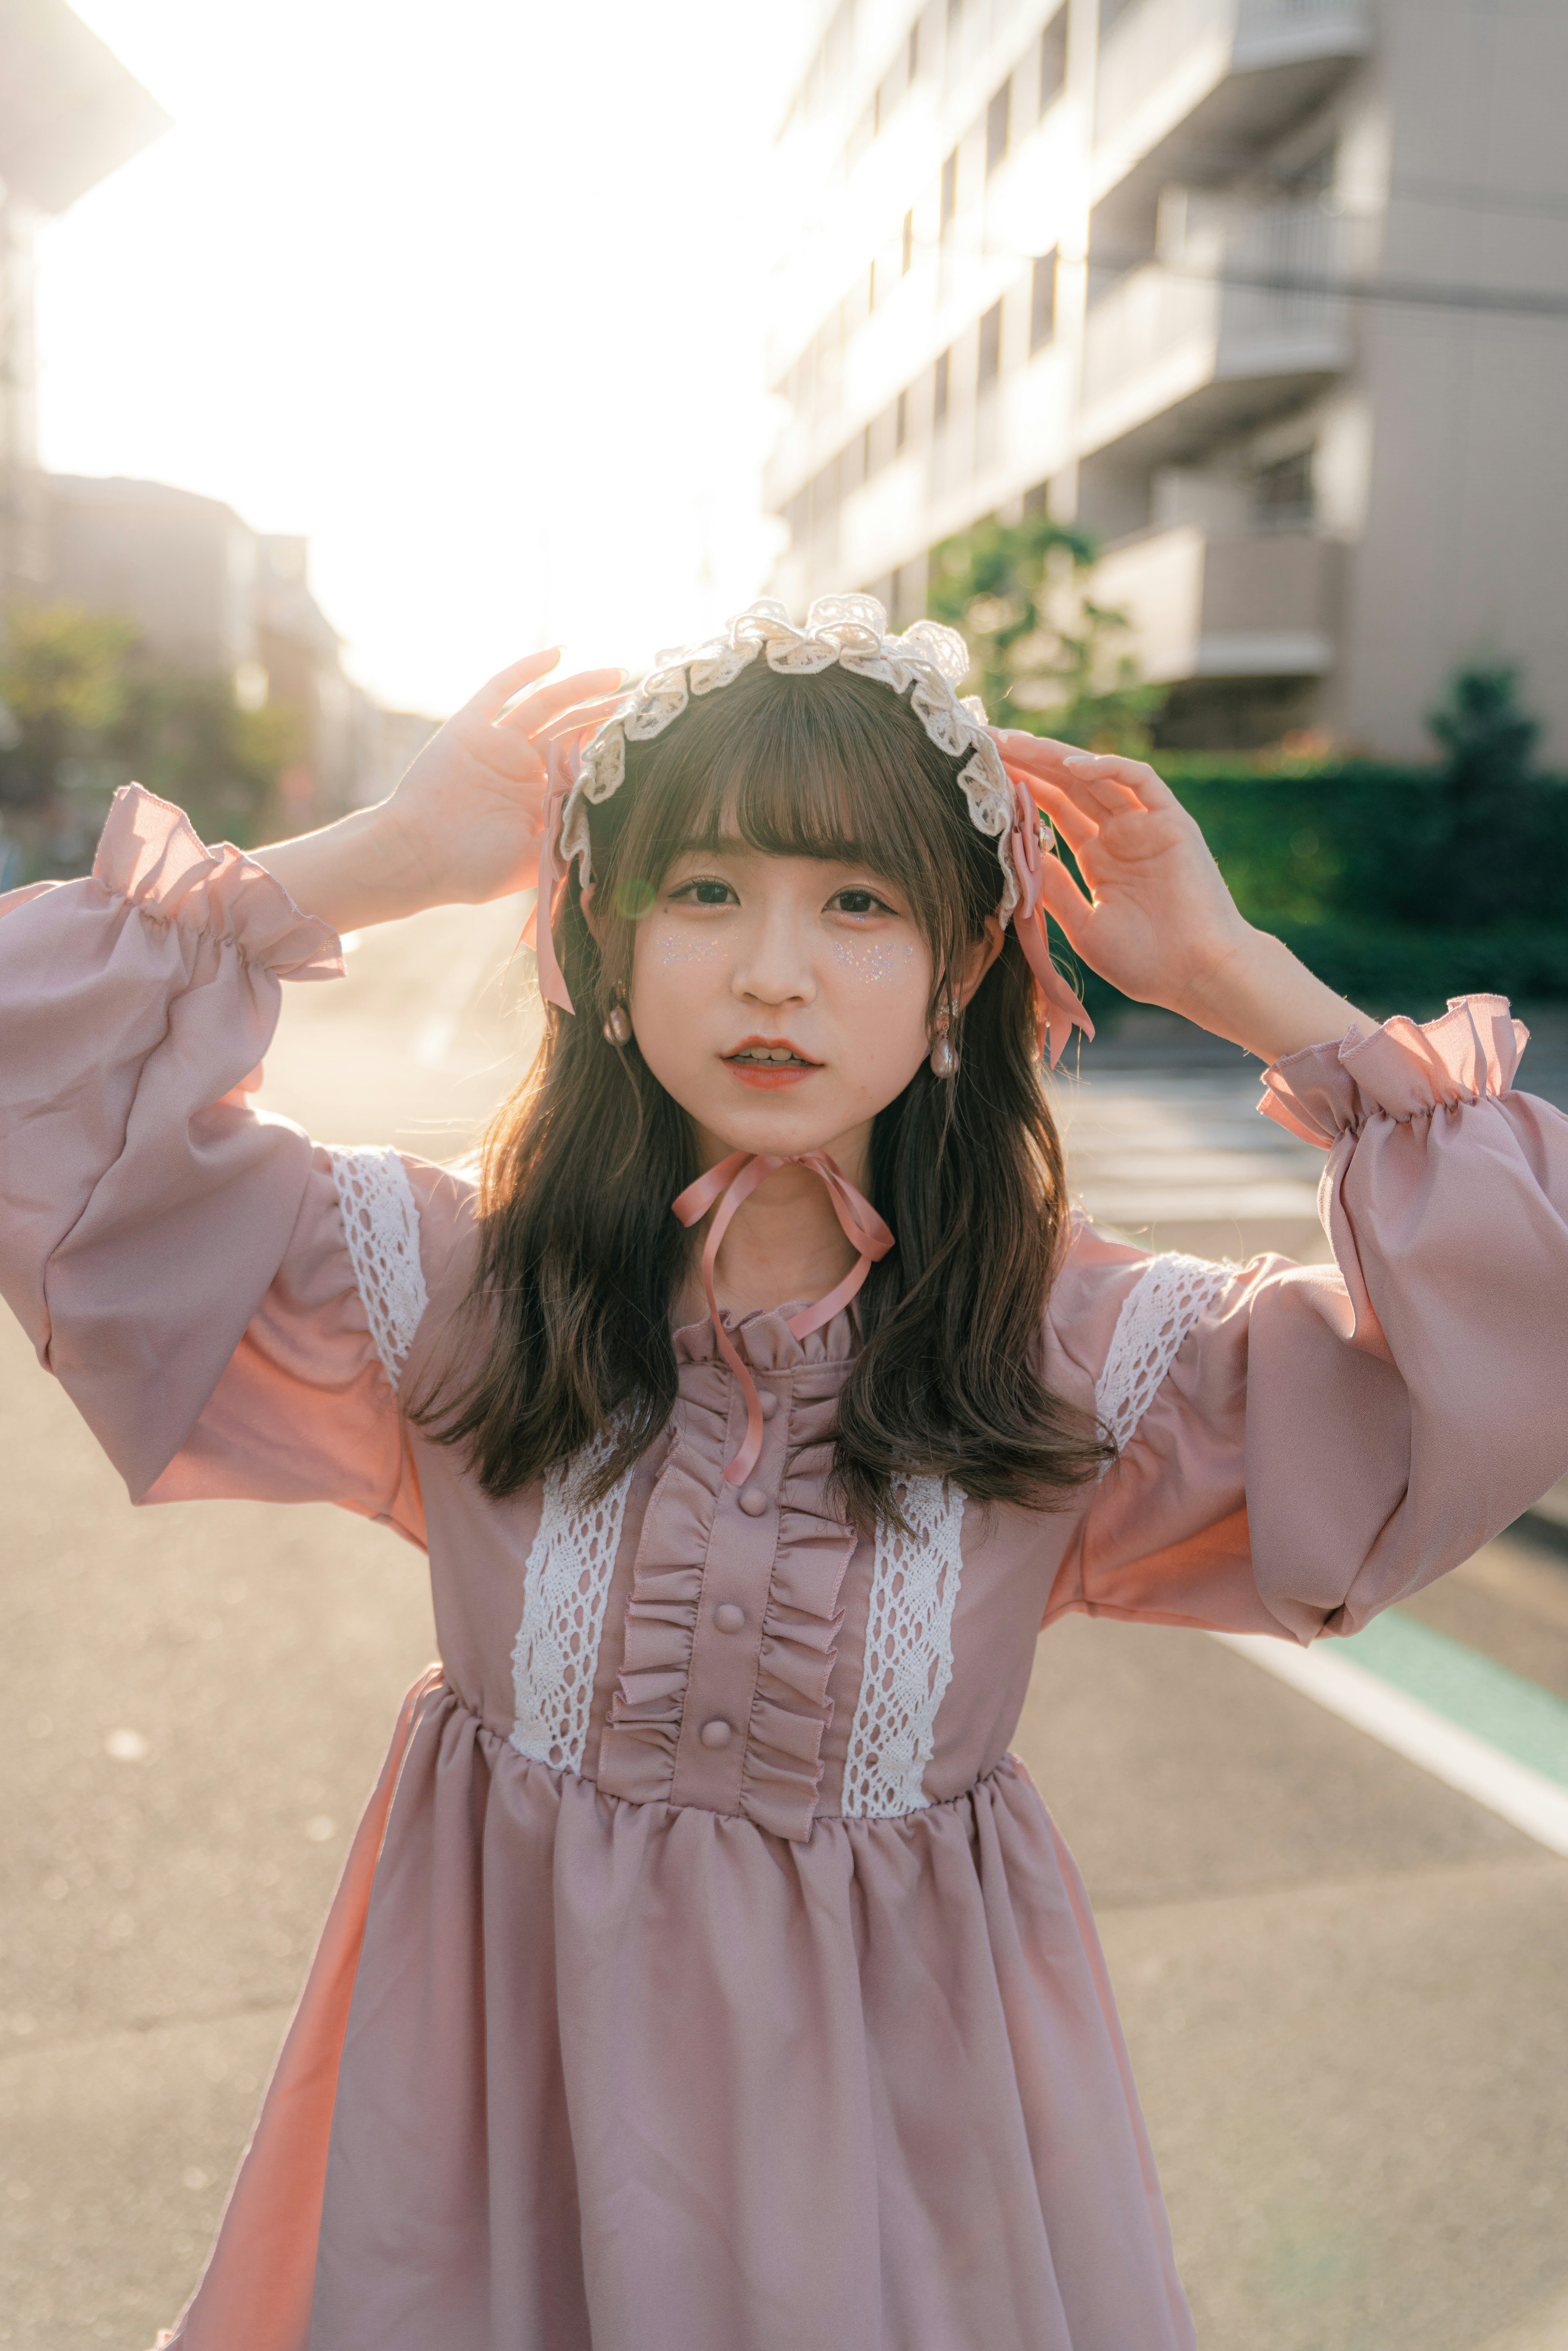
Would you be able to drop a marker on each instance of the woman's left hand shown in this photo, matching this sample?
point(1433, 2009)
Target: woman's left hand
point(1158, 922)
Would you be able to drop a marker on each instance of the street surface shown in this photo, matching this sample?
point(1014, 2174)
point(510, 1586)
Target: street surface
point(1343, 1983)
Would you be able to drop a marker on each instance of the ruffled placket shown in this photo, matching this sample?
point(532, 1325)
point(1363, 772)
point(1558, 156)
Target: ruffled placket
point(733, 1622)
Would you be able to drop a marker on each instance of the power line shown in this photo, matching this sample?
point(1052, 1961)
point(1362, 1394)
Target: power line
point(1520, 301)
point(1516, 301)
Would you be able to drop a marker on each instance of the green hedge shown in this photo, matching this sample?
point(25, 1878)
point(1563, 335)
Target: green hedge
point(1399, 886)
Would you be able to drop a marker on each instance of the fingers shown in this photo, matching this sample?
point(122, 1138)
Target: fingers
point(584, 722)
point(1127, 782)
point(496, 692)
point(537, 714)
point(1076, 825)
point(1083, 802)
point(1134, 777)
point(1063, 898)
point(1061, 763)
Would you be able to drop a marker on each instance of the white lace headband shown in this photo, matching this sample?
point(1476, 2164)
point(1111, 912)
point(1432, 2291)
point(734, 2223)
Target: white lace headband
point(924, 665)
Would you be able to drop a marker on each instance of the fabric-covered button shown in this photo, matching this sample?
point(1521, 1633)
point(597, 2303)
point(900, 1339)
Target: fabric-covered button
point(728, 1617)
point(716, 1734)
point(768, 1403)
point(753, 1501)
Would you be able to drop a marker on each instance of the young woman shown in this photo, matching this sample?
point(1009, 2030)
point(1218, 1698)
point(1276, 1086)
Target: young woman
point(705, 1976)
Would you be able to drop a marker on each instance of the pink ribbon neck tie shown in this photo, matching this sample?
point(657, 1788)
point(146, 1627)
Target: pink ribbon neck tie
point(561, 769)
point(1062, 1008)
point(732, 1183)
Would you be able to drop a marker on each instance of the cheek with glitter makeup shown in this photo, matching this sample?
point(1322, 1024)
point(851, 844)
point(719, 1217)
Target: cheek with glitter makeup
point(876, 960)
point(674, 950)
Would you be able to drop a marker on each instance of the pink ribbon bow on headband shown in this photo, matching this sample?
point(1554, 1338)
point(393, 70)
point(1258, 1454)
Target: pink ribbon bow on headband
point(736, 1178)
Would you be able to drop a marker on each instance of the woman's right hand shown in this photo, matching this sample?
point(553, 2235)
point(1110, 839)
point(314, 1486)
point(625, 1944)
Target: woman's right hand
point(465, 824)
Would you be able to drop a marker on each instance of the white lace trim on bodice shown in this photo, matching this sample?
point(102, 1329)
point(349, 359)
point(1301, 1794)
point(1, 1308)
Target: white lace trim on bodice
point(381, 1226)
point(1157, 1315)
point(566, 1585)
point(908, 1653)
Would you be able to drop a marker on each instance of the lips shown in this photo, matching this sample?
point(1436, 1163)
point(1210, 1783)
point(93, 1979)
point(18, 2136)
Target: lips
point(768, 1064)
point(770, 1053)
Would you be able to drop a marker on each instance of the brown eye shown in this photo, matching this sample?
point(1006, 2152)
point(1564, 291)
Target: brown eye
point(859, 902)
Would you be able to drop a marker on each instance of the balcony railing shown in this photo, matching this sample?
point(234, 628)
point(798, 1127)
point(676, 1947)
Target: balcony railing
point(1205, 607)
point(1243, 293)
point(1156, 40)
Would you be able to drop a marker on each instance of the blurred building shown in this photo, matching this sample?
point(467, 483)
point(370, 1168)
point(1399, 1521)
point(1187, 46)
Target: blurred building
point(213, 597)
point(1271, 296)
point(70, 115)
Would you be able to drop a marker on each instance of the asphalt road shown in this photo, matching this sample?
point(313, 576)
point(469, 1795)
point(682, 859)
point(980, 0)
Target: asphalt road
point(1343, 1982)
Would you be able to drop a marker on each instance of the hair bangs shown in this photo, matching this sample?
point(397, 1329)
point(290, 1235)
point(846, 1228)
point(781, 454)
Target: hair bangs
point(825, 765)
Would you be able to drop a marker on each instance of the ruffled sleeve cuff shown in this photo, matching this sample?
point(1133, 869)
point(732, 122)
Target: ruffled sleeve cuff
point(1402, 1071)
point(149, 856)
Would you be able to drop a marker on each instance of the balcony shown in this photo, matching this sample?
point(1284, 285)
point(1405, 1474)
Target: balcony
point(1182, 85)
point(1225, 608)
point(1237, 318)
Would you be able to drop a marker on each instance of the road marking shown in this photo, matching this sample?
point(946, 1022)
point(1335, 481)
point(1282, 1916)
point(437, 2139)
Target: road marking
point(1491, 1734)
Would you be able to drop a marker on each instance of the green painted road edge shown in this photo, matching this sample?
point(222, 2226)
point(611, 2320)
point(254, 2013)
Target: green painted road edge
point(1468, 1688)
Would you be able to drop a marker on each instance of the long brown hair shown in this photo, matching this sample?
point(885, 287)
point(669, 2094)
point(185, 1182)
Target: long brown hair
point(579, 1257)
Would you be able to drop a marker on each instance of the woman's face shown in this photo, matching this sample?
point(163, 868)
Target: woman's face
point(781, 1000)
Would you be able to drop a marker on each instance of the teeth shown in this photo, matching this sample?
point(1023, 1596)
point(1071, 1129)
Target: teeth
point(767, 1053)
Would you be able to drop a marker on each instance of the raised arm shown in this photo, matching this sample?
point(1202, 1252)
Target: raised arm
point(1158, 922)
point(463, 825)
point(191, 1270)
point(143, 1207)
point(1304, 1445)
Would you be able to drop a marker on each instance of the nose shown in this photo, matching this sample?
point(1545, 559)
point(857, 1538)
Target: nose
point(779, 968)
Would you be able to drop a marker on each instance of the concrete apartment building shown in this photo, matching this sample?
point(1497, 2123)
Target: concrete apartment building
point(1271, 296)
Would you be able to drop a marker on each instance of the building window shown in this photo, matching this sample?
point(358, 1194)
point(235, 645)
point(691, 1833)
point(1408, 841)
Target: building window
point(908, 254)
point(900, 422)
point(998, 122)
point(1053, 59)
point(941, 387)
point(1042, 301)
point(990, 346)
point(949, 203)
point(1282, 496)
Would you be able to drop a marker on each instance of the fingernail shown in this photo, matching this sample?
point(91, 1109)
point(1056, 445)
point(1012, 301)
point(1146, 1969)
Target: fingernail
point(1081, 760)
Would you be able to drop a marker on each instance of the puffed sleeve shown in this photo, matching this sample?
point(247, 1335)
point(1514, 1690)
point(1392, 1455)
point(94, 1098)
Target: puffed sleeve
point(1302, 1446)
point(188, 1267)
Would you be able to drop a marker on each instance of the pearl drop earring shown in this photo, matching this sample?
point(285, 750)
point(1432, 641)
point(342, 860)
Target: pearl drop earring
point(944, 1060)
point(618, 1027)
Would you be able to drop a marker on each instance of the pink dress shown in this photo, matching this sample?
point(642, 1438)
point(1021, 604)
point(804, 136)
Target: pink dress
point(705, 1975)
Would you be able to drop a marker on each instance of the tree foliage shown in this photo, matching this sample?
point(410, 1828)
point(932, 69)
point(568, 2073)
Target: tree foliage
point(1401, 885)
point(1046, 657)
point(90, 711)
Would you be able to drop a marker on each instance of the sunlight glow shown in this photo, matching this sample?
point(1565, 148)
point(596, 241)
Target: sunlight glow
point(473, 297)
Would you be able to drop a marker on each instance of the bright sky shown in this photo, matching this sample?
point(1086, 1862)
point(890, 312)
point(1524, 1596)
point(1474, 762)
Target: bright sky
point(472, 295)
